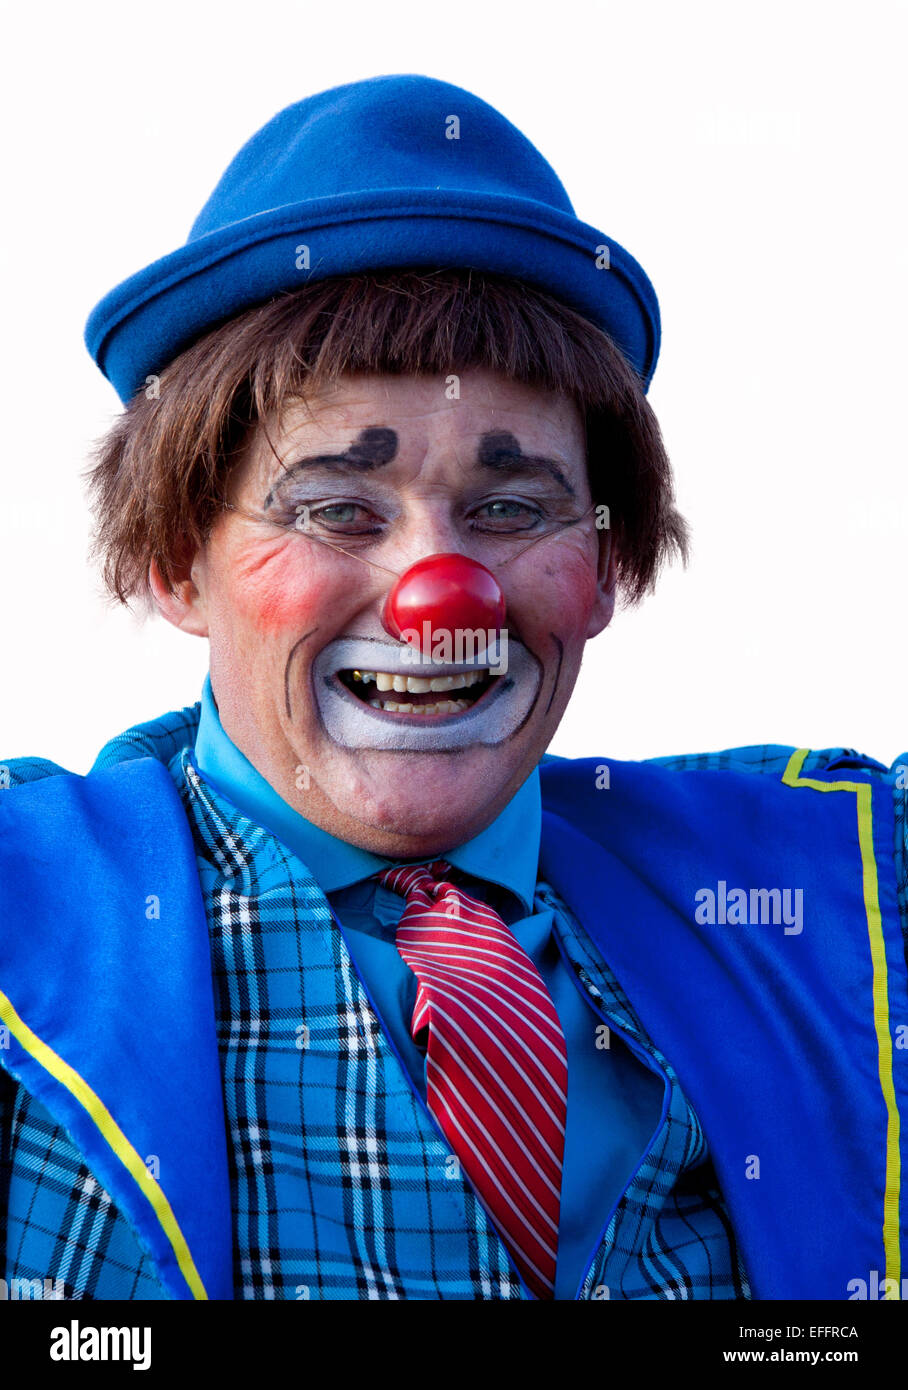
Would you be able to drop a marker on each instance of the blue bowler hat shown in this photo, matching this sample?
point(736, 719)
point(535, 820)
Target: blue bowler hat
point(398, 171)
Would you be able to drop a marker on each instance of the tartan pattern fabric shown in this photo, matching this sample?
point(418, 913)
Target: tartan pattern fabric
point(668, 1238)
point(57, 1223)
point(332, 1128)
point(241, 864)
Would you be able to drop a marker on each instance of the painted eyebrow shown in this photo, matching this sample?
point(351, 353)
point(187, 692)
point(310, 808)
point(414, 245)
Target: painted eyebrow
point(501, 450)
point(373, 448)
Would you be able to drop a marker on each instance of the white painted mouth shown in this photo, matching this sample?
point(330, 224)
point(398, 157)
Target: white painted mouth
point(422, 725)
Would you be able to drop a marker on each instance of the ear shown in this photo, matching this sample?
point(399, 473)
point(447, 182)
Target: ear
point(606, 584)
point(185, 606)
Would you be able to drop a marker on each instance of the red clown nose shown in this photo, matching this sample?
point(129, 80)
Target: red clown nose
point(449, 592)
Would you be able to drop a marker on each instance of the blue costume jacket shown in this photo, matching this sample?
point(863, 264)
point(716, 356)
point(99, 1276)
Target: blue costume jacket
point(788, 1031)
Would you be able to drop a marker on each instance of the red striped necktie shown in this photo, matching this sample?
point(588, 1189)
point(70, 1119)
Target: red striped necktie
point(496, 1061)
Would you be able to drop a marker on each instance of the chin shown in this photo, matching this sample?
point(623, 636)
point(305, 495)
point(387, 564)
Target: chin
point(445, 798)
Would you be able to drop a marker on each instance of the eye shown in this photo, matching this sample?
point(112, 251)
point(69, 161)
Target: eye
point(339, 512)
point(348, 518)
point(508, 514)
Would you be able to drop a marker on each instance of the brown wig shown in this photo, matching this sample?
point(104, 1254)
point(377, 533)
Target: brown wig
point(159, 476)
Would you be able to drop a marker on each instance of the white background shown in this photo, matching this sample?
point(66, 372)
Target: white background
point(750, 156)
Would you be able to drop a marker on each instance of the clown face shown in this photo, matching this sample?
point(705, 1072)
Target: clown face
point(400, 752)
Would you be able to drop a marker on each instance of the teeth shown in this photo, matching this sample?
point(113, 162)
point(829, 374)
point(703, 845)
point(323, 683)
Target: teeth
point(420, 685)
point(456, 682)
point(441, 707)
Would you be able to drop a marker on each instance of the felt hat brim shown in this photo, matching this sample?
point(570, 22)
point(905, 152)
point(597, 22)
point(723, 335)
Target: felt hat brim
point(146, 321)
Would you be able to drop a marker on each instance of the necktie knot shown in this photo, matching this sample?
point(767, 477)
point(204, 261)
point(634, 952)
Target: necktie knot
point(417, 881)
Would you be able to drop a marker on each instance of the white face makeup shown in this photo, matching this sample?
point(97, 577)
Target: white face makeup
point(429, 707)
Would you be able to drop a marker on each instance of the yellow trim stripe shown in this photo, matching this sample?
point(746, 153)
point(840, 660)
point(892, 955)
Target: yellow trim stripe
point(792, 778)
point(61, 1071)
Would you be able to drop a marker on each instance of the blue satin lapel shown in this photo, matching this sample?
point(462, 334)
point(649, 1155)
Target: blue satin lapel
point(104, 958)
point(772, 1035)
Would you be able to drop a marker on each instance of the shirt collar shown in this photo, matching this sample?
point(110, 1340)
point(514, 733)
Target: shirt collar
point(506, 852)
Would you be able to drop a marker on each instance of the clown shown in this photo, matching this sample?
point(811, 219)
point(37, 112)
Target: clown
point(336, 984)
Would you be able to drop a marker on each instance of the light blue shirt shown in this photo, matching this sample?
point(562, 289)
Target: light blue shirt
point(614, 1101)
